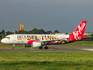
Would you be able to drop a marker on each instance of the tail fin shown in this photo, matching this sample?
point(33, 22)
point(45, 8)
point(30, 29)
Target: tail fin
point(79, 32)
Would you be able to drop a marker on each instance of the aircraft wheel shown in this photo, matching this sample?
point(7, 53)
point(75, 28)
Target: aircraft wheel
point(46, 47)
point(40, 47)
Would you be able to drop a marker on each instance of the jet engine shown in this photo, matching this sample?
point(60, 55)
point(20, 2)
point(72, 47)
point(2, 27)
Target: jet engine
point(36, 44)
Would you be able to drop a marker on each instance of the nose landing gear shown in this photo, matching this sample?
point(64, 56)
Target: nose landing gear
point(13, 46)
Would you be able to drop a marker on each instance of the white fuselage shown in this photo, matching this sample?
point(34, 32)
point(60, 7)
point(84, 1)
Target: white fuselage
point(24, 38)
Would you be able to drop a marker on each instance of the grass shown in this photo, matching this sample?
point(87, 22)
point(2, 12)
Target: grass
point(46, 60)
point(46, 56)
point(62, 65)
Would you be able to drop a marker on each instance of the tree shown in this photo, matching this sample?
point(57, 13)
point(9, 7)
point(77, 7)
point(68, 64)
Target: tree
point(8, 33)
point(15, 31)
point(91, 38)
point(3, 31)
point(35, 31)
point(66, 33)
point(0, 32)
point(41, 31)
point(21, 32)
point(30, 32)
point(48, 32)
point(56, 31)
point(26, 32)
point(0, 37)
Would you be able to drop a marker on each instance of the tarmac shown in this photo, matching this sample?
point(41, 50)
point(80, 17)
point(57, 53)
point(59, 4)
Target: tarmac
point(52, 48)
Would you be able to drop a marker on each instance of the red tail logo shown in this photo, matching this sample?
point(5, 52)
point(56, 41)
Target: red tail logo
point(79, 30)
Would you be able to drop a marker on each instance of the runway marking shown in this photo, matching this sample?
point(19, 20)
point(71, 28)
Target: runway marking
point(88, 49)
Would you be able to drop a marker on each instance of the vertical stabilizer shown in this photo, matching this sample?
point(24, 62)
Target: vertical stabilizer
point(79, 30)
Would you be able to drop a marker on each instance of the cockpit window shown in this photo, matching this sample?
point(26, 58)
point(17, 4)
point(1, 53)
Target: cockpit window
point(8, 37)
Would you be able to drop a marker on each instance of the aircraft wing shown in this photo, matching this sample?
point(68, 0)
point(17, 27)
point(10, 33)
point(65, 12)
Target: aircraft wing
point(48, 41)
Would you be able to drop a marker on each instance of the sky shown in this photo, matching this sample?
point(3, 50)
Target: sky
point(50, 15)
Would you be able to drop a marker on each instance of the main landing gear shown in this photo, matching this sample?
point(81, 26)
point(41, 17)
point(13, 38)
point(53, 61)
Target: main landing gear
point(44, 47)
point(40, 47)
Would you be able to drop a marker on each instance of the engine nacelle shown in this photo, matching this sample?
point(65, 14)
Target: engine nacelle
point(36, 44)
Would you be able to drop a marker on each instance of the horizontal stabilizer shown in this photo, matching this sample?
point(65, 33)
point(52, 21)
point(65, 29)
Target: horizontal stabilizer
point(82, 37)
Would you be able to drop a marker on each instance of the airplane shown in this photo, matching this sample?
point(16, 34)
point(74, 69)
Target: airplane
point(40, 40)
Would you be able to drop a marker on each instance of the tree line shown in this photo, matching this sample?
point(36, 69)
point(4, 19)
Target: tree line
point(90, 38)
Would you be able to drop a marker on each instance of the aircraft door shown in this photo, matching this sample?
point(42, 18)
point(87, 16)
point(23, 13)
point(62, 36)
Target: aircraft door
point(14, 38)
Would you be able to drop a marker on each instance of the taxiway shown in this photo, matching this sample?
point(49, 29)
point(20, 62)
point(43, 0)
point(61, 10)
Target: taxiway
point(52, 48)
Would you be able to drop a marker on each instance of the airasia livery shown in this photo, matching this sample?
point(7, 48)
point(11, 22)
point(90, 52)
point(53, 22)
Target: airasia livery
point(39, 40)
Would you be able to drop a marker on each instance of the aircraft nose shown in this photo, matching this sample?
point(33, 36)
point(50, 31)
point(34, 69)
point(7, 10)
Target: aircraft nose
point(2, 40)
